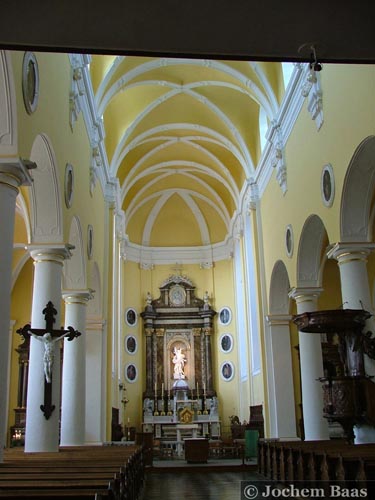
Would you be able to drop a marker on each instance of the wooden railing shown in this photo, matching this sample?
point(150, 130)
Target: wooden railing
point(329, 461)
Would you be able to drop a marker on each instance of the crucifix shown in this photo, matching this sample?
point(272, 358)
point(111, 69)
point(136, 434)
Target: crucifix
point(48, 337)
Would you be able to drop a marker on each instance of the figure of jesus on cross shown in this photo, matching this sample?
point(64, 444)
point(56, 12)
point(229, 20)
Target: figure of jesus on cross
point(49, 354)
point(48, 337)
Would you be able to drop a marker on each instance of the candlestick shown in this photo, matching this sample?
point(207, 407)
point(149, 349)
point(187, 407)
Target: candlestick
point(204, 389)
point(197, 389)
point(162, 390)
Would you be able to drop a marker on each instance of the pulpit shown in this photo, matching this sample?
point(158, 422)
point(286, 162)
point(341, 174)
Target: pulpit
point(348, 398)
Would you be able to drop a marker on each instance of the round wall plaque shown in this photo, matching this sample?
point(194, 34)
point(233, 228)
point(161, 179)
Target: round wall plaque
point(30, 82)
point(327, 185)
point(177, 295)
point(68, 185)
point(289, 240)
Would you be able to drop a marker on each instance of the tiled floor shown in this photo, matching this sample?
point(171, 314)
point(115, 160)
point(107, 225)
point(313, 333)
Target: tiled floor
point(197, 485)
point(216, 480)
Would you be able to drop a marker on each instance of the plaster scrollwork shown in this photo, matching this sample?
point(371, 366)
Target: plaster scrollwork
point(308, 84)
point(146, 266)
point(96, 156)
point(278, 156)
point(206, 265)
point(77, 89)
point(123, 249)
point(313, 91)
point(238, 227)
point(252, 197)
point(177, 279)
point(281, 177)
point(120, 224)
point(93, 178)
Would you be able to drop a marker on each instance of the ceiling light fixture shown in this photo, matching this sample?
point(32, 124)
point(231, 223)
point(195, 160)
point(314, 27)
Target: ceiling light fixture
point(314, 64)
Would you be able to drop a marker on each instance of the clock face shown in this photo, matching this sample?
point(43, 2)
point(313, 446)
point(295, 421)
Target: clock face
point(177, 295)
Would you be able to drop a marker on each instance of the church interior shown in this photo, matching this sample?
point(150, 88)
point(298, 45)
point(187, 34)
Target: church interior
point(187, 248)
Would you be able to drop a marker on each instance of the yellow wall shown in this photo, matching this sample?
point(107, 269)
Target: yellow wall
point(219, 284)
point(347, 90)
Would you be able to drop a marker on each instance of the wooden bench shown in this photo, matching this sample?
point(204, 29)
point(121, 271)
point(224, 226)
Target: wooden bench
point(85, 472)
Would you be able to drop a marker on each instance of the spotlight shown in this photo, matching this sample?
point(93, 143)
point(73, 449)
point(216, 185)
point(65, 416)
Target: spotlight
point(317, 67)
point(310, 47)
point(314, 64)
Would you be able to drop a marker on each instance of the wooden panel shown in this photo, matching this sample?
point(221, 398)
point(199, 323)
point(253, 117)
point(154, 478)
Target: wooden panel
point(196, 450)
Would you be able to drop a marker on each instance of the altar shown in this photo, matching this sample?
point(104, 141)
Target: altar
point(173, 430)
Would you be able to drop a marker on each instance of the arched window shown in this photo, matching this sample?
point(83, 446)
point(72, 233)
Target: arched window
point(263, 127)
point(287, 72)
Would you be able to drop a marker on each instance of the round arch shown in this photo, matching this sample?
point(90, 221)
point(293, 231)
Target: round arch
point(279, 288)
point(357, 194)
point(8, 108)
point(75, 267)
point(45, 194)
point(311, 252)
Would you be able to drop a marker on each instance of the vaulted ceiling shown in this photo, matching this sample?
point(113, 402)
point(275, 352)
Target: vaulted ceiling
point(183, 137)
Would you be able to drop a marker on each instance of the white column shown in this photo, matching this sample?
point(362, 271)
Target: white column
point(12, 175)
point(74, 370)
point(355, 290)
point(283, 421)
point(42, 434)
point(311, 361)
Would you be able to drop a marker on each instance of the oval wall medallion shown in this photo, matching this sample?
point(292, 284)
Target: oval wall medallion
point(30, 82)
point(327, 185)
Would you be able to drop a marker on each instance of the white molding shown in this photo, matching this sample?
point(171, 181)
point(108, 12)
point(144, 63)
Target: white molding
point(8, 109)
point(214, 137)
point(82, 99)
point(204, 256)
point(286, 118)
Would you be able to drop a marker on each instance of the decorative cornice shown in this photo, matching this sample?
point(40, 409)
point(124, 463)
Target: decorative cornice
point(147, 257)
point(176, 279)
point(300, 294)
point(15, 172)
point(78, 296)
point(347, 252)
point(278, 319)
point(49, 252)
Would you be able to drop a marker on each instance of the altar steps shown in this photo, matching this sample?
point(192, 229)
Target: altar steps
point(219, 465)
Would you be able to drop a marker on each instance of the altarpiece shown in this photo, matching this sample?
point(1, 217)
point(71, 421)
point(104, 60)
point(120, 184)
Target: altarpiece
point(180, 397)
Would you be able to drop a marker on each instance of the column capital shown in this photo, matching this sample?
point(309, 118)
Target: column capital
point(278, 319)
point(14, 172)
point(77, 296)
point(301, 294)
point(50, 252)
point(348, 251)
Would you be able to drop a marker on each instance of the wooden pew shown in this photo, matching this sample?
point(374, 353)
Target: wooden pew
point(91, 472)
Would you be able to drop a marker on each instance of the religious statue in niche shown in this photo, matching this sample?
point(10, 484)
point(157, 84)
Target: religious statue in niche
point(179, 361)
